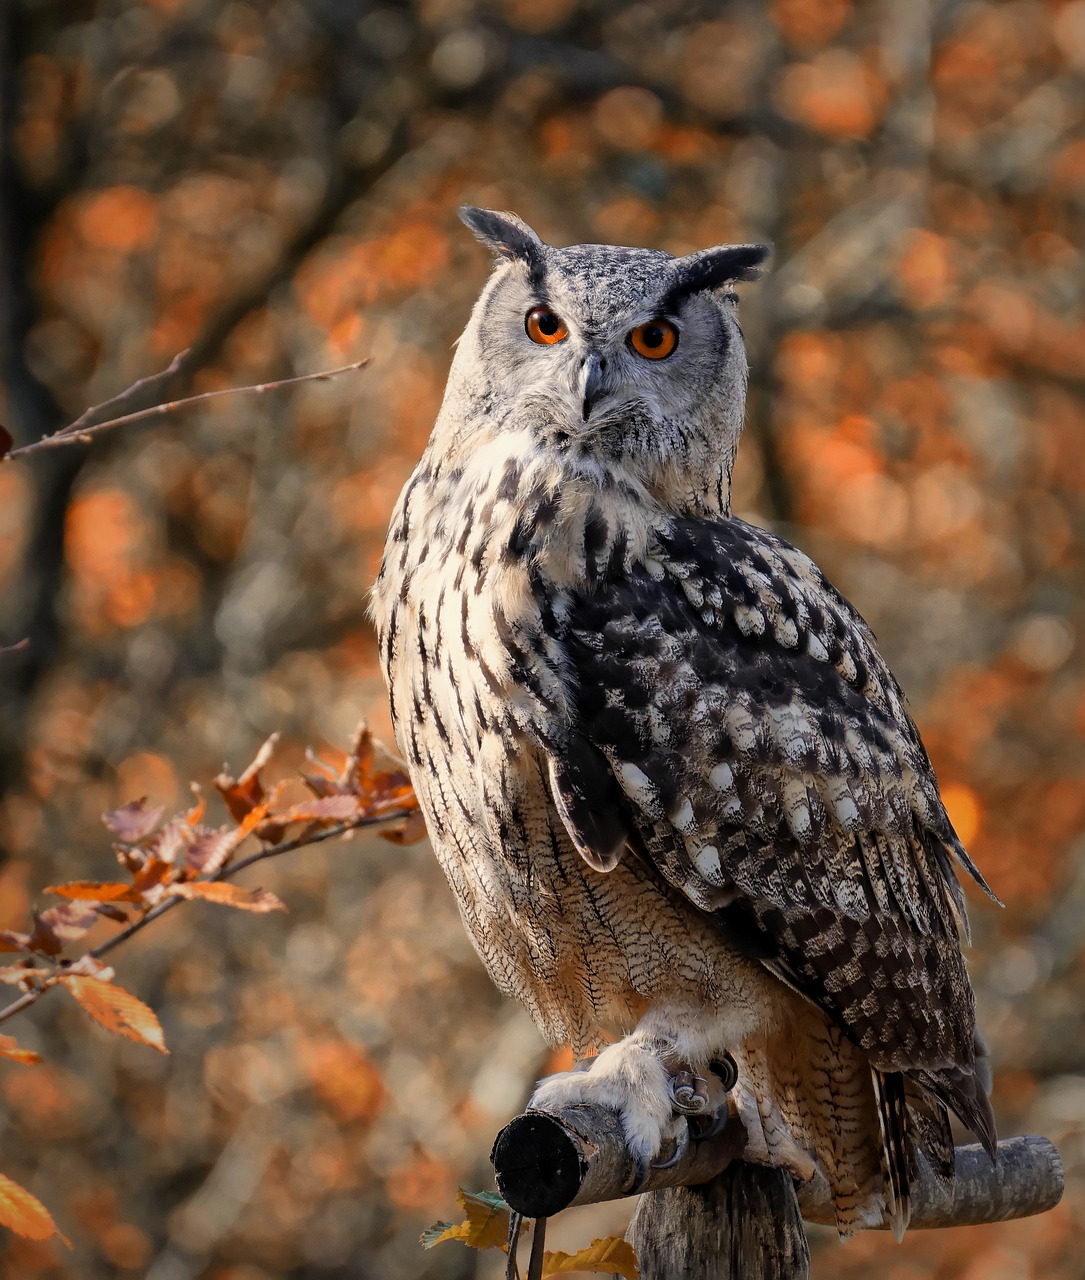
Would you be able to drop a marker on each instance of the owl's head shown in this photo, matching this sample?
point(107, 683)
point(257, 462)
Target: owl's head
point(626, 357)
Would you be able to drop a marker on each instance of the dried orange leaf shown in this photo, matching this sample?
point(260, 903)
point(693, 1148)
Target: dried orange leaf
point(196, 812)
point(95, 891)
point(230, 895)
point(247, 792)
point(9, 1049)
point(150, 876)
point(25, 1214)
point(485, 1226)
point(132, 822)
point(117, 1010)
point(611, 1256)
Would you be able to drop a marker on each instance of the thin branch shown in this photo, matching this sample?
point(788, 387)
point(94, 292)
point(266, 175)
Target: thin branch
point(78, 433)
point(227, 873)
point(85, 419)
point(21, 647)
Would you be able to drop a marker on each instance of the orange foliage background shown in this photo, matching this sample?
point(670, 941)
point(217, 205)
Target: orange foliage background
point(274, 185)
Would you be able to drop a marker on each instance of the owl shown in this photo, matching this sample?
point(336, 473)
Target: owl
point(673, 785)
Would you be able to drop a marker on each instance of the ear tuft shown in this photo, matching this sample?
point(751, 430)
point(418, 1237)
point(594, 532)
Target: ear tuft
point(711, 268)
point(504, 233)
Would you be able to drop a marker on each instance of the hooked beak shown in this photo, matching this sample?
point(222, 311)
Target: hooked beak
point(591, 381)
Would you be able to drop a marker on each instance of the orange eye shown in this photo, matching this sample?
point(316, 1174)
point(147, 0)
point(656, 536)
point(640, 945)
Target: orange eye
point(545, 327)
point(654, 340)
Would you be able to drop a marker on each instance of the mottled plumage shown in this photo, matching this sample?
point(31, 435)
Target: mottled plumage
point(671, 780)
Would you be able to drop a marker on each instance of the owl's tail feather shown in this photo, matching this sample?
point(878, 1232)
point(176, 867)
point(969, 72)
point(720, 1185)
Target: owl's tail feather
point(963, 1091)
point(898, 1148)
point(930, 1121)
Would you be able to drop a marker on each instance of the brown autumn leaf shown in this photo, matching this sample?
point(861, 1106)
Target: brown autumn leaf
point(14, 974)
point(171, 841)
point(229, 895)
point(485, 1224)
point(359, 763)
point(25, 1214)
point(95, 891)
point(133, 822)
point(117, 1010)
point(409, 831)
point(329, 808)
point(611, 1256)
point(244, 794)
point(9, 1049)
point(56, 927)
point(210, 849)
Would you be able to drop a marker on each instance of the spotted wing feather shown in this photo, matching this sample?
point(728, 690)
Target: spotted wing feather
point(771, 771)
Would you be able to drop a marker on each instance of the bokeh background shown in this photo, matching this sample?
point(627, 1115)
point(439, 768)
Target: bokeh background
point(272, 186)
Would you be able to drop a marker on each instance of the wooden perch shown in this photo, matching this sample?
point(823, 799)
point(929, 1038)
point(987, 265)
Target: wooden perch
point(546, 1162)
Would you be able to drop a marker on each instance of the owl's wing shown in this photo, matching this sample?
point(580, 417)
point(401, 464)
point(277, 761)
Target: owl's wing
point(735, 725)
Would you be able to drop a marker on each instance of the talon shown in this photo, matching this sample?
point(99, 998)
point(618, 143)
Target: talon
point(725, 1069)
point(686, 1097)
point(681, 1146)
point(716, 1125)
point(640, 1172)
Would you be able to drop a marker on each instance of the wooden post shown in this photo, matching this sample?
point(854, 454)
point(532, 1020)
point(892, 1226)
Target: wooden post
point(713, 1216)
point(743, 1225)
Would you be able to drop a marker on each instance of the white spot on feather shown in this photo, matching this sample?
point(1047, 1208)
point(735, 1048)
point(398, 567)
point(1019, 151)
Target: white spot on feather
point(787, 633)
point(751, 621)
point(638, 784)
point(682, 814)
point(721, 777)
point(707, 862)
point(815, 648)
point(741, 727)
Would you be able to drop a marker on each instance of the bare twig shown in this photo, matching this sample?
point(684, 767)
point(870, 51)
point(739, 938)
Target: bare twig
point(227, 873)
point(21, 647)
point(78, 432)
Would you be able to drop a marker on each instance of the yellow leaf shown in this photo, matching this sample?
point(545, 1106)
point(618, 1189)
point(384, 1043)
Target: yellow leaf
point(9, 1049)
point(25, 1214)
point(117, 1010)
point(486, 1225)
point(610, 1256)
point(95, 891)
point(230, 895)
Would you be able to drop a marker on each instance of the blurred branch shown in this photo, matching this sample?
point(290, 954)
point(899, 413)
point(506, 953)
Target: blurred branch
point(79, 432)
point(226, 873)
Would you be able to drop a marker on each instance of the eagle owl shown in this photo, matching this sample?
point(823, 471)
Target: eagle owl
point(673, 784)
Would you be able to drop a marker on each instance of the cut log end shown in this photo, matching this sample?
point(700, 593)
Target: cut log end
point(548, 1161)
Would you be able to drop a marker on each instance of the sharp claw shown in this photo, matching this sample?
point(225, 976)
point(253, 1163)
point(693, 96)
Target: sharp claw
point(726, 1071)
point(639, 1174)
point(681, 1146)
point(716, 1125)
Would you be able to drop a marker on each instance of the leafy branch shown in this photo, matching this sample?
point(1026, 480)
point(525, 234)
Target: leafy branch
point(183, 860)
